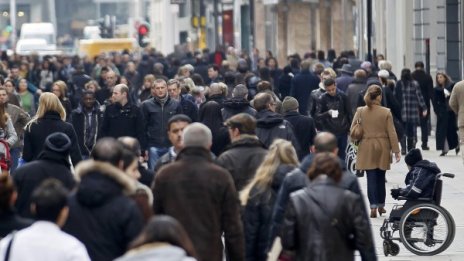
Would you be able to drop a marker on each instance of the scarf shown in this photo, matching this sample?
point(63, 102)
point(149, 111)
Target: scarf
point(163, 100)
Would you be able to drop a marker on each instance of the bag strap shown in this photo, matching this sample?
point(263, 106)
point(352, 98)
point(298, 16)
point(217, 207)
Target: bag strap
point(8, 248)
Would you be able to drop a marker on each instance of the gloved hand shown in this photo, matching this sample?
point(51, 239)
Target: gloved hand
point(395, 193)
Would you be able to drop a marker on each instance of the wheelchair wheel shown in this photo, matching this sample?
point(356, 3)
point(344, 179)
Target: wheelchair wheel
point(427, 229)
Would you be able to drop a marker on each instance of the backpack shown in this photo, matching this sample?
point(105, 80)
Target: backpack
point(5, 156)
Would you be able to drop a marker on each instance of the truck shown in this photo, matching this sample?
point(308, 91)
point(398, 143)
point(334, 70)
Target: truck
point(39, 38)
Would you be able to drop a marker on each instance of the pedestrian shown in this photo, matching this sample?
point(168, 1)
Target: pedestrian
point(323, 217)
point(271, 125)
point(8, 137)
point(345, 78)
point(44, 239)
point(87, 119)
point(302, 84)
point(202, 197)
point(146, 175)
point(238, 103)
point(303, 126)
point(188, 107)
point(355, 87)
point(245, 153)
point(9, 218)
point(446, 132)
point(163, 238)
point(409, 96)
point(52, 162)
point(101, 215)
point(456, 103)
point(334, 114)
point(156, 113)
point(426, 86)
point(210, 115)
point(13, 96)
point(379, 140)
point(259, 195)
point(59, 88)
point(26, 98)
point(176, 126)
point(50, 118)
point(316, 95)
point(285, 82)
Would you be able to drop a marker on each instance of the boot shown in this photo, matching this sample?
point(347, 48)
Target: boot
point(424, 146)
point(403, 145)
point(411, 144)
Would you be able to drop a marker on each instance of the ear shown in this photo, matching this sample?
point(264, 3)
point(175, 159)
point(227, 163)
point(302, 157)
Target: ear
point(312, 149)
point(121, 165)
point(33, 208)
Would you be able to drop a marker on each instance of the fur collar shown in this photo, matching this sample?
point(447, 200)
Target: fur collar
point(88, 166)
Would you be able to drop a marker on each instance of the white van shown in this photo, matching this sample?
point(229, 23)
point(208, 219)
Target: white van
point(37, 38)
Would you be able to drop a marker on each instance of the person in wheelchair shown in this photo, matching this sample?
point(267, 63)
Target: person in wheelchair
point(420, 182)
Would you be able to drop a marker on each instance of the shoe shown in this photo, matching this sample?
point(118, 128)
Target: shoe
point(425, 147)
point(382, 211)
point(458, 149)
point(403, 151)
point(443, 154)
point(373, 212)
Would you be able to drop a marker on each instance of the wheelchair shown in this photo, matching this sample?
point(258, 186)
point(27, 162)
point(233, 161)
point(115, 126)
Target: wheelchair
point(424, 228)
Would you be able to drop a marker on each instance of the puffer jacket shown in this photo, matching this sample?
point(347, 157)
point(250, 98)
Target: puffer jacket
point(271, 126)
point(235, 106)
point(257, 216)
point(323, 218)
point(156, 118)
point(420, 180)
point(101, 215)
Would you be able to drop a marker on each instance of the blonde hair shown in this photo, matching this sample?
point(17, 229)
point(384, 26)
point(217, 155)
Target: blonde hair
point(280, 152)
point(63, 87)
point(47, 102)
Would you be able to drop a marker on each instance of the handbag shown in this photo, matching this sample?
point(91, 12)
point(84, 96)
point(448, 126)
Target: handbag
point(357, 132)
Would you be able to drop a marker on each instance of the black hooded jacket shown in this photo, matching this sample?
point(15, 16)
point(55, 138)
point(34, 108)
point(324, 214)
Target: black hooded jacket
point(420, 180)
point(235, 106)
point(271, 126)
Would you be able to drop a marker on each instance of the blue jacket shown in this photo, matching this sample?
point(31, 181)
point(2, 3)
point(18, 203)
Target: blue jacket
point(420, 180)
point(302, 86)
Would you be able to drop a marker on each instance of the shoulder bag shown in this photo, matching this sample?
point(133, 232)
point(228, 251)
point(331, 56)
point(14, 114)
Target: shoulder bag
point(357, 132)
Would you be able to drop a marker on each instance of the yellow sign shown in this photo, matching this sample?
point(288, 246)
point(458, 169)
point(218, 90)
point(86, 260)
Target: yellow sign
point(95, 47)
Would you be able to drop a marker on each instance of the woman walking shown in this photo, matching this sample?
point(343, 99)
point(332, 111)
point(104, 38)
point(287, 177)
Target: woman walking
point(378, 142)
point(446, 134)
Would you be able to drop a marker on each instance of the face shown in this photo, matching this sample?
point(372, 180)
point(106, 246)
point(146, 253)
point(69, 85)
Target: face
point(331, 90)
point(110, 79)
point(441, 79)
point(118, 96)
point(15, 72)
point(174, 91)
point(88, 101)
point(147, 84)
point(56, 90)
point(175, 133)
point(9, 87)
point(124, 80)
point(92, 88)
point(159, 90)
point(212, 73)
point(133, 170)
point(261, 63)
point(22, 85)
point(272, 63)
point(3, 97)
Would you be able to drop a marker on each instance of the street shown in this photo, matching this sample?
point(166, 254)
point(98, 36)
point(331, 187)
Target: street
point(453, 193)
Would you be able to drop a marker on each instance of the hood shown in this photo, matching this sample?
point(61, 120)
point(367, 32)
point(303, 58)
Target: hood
point(58, 157)
point(100, 182)
point(236, 104)
point(267, 119)
point(432, 167)
point(279, 176)
point(155, 251)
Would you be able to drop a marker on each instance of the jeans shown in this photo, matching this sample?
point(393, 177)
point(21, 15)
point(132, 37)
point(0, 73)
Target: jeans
point(376, 187)
point(342, 141)
point(154, 154)
point(15, 153)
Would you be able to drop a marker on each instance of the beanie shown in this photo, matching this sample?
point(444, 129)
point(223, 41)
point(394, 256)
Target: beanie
point(413, 157)
point(289, 104)
point(58, 142)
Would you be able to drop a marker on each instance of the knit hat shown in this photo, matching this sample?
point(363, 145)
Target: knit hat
point(289, 104)
point(58, 142)
point(383, 74)
point(413, 157)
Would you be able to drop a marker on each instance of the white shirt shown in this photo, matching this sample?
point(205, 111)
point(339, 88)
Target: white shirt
point(43, 241)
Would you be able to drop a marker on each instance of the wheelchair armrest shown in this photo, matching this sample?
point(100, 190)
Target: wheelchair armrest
point(402, 198)
point(448, 175)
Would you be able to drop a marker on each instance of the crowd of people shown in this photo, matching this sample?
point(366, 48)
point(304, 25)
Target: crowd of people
point(170, 158)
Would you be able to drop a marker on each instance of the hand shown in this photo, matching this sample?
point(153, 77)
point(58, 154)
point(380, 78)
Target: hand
point(397, 157)
point(38, 92)
point(395, 193)
point(424, 113)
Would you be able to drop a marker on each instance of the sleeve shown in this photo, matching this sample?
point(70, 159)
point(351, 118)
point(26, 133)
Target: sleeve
point(75, 152)
point(78, 253)
point(31, 87)
point(233, 230)
point(364, 241)
point(322, 110)
point(251, 227)
point(392, 136)
point(292, 87)
point(347, 108)
point(133, 223)
point(289, 229)
point(393, 103)
point(141, 129)
point(415, 187)
point(420, 98)
point(355, 119)
point(27, 148)
point(157, 191)
point(104, 125)
point(23, 118)
point(12, 137)
point(454, 101)
point(278, 212)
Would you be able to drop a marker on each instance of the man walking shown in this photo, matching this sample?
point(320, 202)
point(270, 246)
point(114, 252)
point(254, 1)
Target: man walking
point(302, 85)
point(202, 197)
point(457, 105)
point(426, 86)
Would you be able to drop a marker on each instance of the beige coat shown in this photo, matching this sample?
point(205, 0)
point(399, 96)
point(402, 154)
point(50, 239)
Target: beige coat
point(456, 102)
point(379, 139)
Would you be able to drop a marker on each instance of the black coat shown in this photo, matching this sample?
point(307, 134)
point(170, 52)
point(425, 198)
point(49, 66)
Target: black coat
point(257, 216)
point(426, 85)
point(271, 126)
point(304, 129)
point(302, 86)
point(242, 158)
point(10, 221)
point(235, 106)
point(36, 134)
point(447, 125)
point(78, 121)
point(28, 177)
point(341, 124)
point(285, 85)
point(124, 120)
point(101, 216)
point(324, 217)
point(189, 108)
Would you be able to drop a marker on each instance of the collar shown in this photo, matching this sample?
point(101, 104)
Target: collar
point(194, 152)
point(45, 226)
